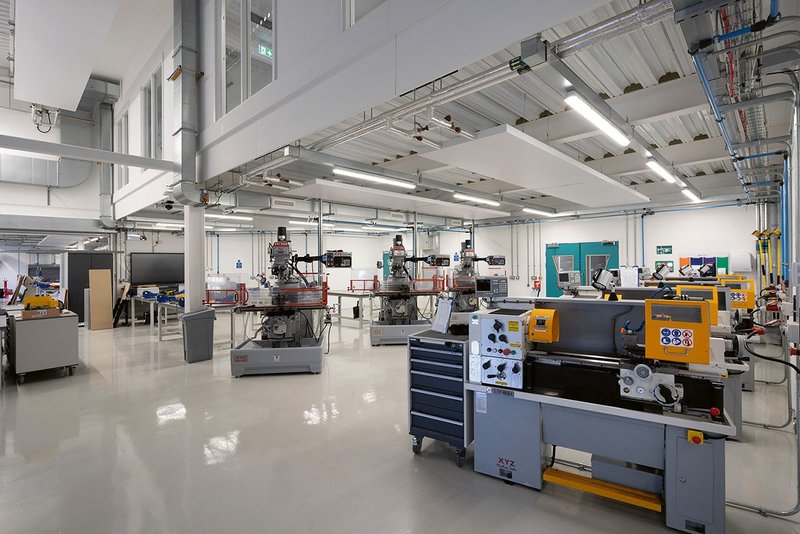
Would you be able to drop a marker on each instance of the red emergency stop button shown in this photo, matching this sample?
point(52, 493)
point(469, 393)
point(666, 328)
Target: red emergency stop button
point(695, 437)
point(506, 351)
point(714, 411)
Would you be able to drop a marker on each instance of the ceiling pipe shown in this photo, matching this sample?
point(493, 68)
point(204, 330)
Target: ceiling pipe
point(482, 80)
point(634, 19)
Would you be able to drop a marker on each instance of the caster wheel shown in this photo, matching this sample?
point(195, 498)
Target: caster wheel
point(416, 445)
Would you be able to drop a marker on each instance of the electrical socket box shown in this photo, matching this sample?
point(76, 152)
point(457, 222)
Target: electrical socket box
point(793, 332)
point(503, 372)
point(503, 334)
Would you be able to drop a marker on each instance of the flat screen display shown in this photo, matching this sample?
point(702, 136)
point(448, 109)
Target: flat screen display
point(156, 268)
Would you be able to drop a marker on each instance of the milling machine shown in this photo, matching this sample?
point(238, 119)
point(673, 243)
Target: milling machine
point(467, 287)
point(294, 315)
point(399, 313)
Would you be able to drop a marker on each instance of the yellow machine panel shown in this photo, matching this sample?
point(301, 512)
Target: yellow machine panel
point(708, 293)
point(39, 302)
point(743, 293)
point(543, 326)
point(730, 276)
point(677, 331)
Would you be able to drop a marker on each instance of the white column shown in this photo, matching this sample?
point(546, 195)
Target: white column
point(194, 257)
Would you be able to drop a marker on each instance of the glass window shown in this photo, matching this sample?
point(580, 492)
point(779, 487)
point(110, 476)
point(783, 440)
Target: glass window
point(158, 115)
point(356, 10)
point(594, 262)
point(564, 263)
point(232, 59)
point(147, 120)
point(262, 44)
point(121, 146)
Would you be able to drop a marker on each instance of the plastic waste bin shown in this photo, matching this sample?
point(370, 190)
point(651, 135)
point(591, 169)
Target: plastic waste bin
point(198, 335)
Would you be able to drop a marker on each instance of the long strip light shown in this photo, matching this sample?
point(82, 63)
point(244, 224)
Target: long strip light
point(589, 113)
point(690, 195)
point(373, 178)
point(661, 171)
point(310, 223)
point(477, 200)
point(228, 217)
point(538, 212)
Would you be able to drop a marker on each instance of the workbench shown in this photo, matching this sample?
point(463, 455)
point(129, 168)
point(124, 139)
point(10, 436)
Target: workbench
point(364, 318)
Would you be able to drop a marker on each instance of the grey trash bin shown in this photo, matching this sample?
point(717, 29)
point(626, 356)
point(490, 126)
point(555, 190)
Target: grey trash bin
point(198, 335)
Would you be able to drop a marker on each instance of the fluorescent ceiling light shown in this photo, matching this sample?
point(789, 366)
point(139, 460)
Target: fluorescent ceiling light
point(311, 223)
point(168, 225)
point(225, 229)
point(376, 229)
point(690, 195)
point(228, 217)
point(477, 200)
point(538, 212)
point(589, 113)
point(373, 178)
point(661, 171)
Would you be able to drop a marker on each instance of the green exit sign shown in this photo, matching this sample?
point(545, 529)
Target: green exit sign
point(663, 249)
point(265, 51)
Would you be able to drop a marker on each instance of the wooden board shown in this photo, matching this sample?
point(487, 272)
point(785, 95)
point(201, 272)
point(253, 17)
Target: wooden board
point(100, 302)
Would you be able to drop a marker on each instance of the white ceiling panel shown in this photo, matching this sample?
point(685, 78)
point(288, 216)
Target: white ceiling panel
point(507, 154)
point(372, 198)
point(56, 44)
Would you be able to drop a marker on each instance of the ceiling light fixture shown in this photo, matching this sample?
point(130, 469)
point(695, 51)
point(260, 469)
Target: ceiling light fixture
point(690, 195)
point(538, 212)
point(477, 200)
point(228, 217)
point(589, 113)
point(373, 178)
point(312, 223)
point(661, 171)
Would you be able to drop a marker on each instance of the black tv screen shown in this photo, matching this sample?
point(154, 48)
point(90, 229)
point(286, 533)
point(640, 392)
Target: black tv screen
point(156, 268)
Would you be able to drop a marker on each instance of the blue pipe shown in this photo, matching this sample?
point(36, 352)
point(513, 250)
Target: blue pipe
point(773, 9)
point(762, 182)
point(217, 253)
point(785, 222)
point(761, 155)
point(734, 34)
point(701, 73)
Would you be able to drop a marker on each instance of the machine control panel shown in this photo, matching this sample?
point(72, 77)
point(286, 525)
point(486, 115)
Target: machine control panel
point(496, 261)
point(337, 258)
point(501, 372)
point(641, 383)
point(503, 334)
point(488, 287)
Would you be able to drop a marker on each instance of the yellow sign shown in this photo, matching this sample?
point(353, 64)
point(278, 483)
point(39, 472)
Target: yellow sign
point(677, 331)
point(743, 293)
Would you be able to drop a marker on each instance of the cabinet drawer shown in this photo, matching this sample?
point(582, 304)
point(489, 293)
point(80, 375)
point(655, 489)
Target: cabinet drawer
point(438, 368)
point(447, 406)
point(434, 423)
point(437, 383)
point(440, 354)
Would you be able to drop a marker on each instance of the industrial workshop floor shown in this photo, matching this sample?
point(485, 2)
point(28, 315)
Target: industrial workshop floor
point(139, 442)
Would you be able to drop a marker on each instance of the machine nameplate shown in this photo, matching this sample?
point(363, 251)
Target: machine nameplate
point(498, 391)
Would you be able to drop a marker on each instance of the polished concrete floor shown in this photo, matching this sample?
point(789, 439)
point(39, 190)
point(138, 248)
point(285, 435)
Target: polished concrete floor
point(139, 442)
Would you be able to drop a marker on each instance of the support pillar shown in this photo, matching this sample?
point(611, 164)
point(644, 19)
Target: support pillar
point(194, 253)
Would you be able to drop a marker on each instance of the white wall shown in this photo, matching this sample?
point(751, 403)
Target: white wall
point(691, 232)
point(79, 202)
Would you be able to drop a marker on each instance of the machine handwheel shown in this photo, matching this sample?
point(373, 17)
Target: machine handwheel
point(461, 458)
point(416, 444)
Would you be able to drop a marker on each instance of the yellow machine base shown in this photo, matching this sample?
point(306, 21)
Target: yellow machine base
point(609, 490)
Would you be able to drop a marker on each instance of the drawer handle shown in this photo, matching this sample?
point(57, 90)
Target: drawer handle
point(438, 351)
point(452, 378)
point(440, 364)
point(442, 395)
point(442, 419)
